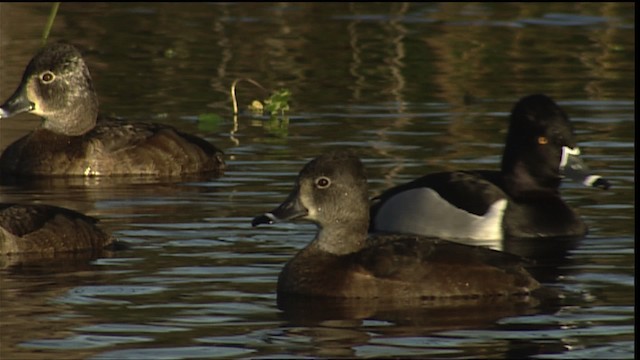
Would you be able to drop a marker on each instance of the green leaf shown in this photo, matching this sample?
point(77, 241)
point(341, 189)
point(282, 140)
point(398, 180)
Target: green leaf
point(209, 121)
point(278, 102)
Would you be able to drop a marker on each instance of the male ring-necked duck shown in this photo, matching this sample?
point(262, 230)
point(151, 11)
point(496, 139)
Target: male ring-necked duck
point(47, 229)
point(57, 86)
point(344, 262)
point(521, 200)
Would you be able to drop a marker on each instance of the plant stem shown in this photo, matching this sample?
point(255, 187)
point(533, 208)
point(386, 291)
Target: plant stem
point(233, 91)
point(52, 17)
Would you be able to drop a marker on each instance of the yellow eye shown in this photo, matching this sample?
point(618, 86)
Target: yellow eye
point(47, 77)
point(542, 140)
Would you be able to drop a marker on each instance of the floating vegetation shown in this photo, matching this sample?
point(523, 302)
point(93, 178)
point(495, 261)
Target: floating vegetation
point(275, 107)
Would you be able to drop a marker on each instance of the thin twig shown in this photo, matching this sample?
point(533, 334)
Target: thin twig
point(233, 91)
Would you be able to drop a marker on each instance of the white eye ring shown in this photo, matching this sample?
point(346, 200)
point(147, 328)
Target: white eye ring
point(323, 182)
point(47, 77)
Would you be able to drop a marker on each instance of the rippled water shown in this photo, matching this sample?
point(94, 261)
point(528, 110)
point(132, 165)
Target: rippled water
point(414, 88)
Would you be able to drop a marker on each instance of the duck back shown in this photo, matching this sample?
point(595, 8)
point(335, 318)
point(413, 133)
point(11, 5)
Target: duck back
point(48, 229)
point(111, 148)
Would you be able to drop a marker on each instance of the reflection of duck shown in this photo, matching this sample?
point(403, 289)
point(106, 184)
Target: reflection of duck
point(341, 261)
point(551, 257)
point(521, 200)
point(57, 86)
point(340, 326)
point(46, 229)
point(431, 314)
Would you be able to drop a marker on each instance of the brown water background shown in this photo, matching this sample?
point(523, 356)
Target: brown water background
point(413, 87)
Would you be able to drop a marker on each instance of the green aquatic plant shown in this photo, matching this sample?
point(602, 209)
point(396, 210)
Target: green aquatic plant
point(275, 106)
point(209, 122)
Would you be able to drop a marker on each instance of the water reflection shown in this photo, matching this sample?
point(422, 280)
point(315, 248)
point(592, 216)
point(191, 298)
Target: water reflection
point(416, 88)
point(28, 289)
point(44, 263)
point(428, 315)
point(357, 327)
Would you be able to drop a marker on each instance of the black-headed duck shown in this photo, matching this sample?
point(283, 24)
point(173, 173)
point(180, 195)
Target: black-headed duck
point(47, 229)
point(521, 200)
point(344, 262)
point(57, 86)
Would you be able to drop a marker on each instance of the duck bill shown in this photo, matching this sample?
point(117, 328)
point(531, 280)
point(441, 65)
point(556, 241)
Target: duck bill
point(16, 104)
point(290, 209)
point(572, 166)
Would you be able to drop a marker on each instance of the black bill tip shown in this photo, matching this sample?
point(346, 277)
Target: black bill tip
point(601, 183)
point(263, 219)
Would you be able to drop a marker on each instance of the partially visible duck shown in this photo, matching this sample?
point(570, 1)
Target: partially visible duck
point(521, 200)
point(57, 86)
point(343, 262)
point(47, 229)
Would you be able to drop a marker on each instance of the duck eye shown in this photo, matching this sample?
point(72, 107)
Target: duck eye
point(47, 77)
point(542, 140)
point(323, 182)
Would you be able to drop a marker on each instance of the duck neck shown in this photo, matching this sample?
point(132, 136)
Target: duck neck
point(520, 181)
point(341, 238)
point(70, 124)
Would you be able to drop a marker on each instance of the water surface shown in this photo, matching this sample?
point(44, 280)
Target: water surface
point(413, 88)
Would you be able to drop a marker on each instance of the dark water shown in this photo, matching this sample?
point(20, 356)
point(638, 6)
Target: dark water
point(414, 88)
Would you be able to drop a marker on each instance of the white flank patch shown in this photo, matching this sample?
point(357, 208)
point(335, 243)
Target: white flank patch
point(423, 211)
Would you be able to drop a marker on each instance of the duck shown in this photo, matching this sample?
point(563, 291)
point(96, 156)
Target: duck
point(344, 261)
point(73, 140)
point(48, 230)
point(520, 201)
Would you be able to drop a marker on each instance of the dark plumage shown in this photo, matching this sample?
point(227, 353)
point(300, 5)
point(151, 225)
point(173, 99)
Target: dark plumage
point(46, 229)
point(521, 200)
point(342, 261)
point(57, 86)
